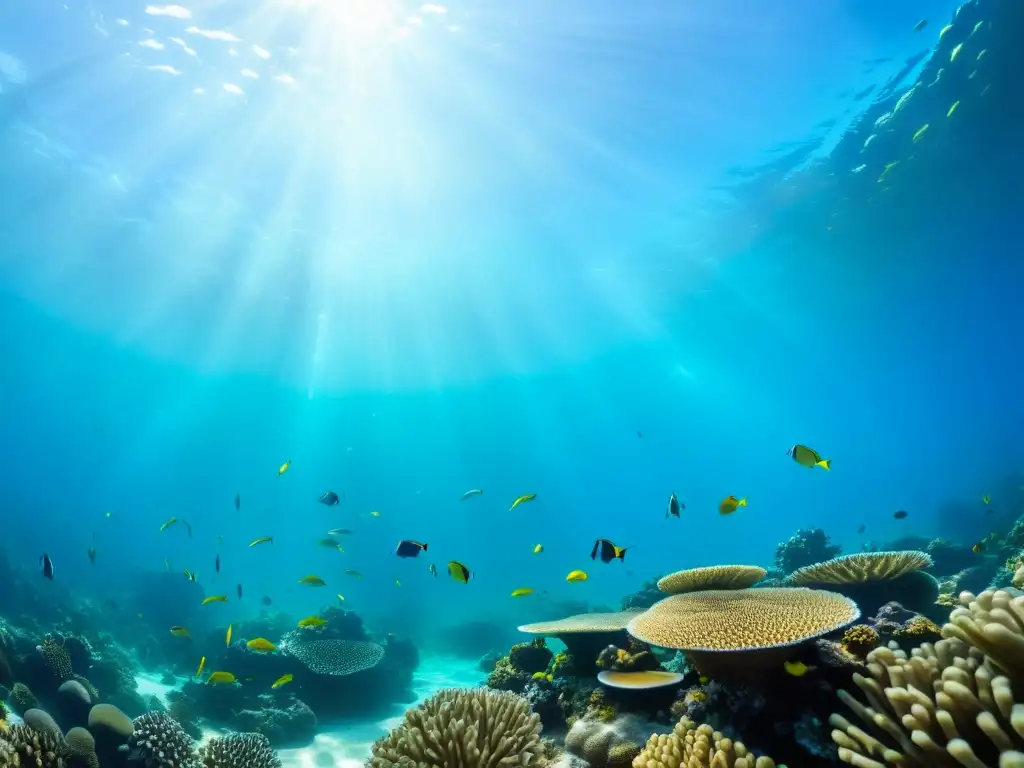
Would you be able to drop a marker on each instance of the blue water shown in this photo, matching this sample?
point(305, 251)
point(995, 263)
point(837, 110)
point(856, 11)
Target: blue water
point(600, 252)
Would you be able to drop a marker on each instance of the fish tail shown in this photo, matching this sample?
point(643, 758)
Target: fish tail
point(424, 547)
point(825, 464)
point(743, 502)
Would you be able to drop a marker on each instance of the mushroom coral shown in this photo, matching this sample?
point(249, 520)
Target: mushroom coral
point(585, 635)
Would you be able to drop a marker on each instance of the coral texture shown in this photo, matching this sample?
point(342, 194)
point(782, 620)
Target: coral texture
point(582, 623)
point(696, 746)
point(337, 657)
point(463, 729)
point(861, 567)
point(712, 577)
point(239, 750)
point(158, 741)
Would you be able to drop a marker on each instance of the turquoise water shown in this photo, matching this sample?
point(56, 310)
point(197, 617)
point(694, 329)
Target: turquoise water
point(595, 252)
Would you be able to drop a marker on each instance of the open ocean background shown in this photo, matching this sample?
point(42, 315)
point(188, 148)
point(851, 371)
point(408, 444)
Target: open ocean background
point(600, 252)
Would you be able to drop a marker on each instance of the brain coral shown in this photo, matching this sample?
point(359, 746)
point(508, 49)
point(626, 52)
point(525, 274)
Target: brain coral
point(861, 567)
point(955, 703)
point(81, 748)
point(712, 577)
point(239, 750)
point(337, 657)
point(463, 729)
point(158, 741)
point(690, 746)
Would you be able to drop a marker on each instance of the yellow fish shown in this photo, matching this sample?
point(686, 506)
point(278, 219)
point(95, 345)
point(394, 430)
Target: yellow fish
point(796, 668)
point(215, 599)
point(352, 572)
point(730, 504)
point(979, 547)
point(703, 679)
point(313, 621)
point(459, 572)
point(170, 521)
point(575, 576)
point(341, 548)
point(227, 637)
point(953, 109)
point(522, 592)
point(944, 30)
point(262, 645)
point(282, 680)
point(202, 663)
point(956, 52)
point(538, 549)
point(522, 500)
point(985, 499)
point(808, 457)
point(375, 514)
point(190, 575)
point(921, 132)
point(313, 581)
point(220, 677)
point(398, 583)
point(284, 467)
point(179, 631)
point(262, 540)
point(341, 598)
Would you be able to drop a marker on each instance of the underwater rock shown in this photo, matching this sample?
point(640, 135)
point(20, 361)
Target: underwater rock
point(948, 557)
point(545, 701)
point(908, 628)
point(22, 699)
point(292, 725)
point(608, 745)
point(489, 661)
point(806, 547)
point(530, 657)
point(643, 598)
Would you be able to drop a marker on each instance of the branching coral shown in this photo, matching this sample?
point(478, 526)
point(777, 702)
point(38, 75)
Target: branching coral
point(948, 704)
point(239, 750)
point(463, 729)
point(21, 745)
point(696, 746)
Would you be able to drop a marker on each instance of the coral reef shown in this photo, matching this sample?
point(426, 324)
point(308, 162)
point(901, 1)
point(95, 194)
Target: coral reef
point(585, 636)
point(159, 741)
point(21, 745)
point(607, 744)
point(872, 579)
point(805, 547)
point(860, 640)
point(463, 729)
point(238, 750)
point(953, 701)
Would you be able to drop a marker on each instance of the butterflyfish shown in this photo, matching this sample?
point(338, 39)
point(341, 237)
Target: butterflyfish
point(576, 576)
point(459, 572)
point(607, 551)
point(730, 504)
point(808, 457)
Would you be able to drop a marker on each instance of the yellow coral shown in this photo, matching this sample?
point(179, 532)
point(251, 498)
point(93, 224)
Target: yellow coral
point(861, 567)
point(712, 577)
point(917, 627)
point(947, 600)
point(696, 746)
point(860, 639)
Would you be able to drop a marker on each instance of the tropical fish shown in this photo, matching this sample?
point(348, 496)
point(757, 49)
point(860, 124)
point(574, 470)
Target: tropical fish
point(238, 589)
point(433, 570)
point(921, 132)
point(921, 25)
point(199, 670)
point(215, 599)
point(227, 637)
point(313, 581)
point(955, 52)
point(329, 541)
point(262, 540)
point(238, 501)
point(982, 54)
point(575, 576)
point(187, 527)
point(538, 549)
point(410, 548)
point(952, 109)
point(985, 500)
point(522, 592)
point(459, 572)
point(703, 679)
point(979, 547)
point(808, 457)
point(283, 680)
point(262, 645)
point(341, 598)
point(353, 572)
point(674, 507)
point(398, 583)
point(92, 555)
point(284, 467)
point(341, 548)
point(330, 498)
point(977, 26)
point(190, 575)
point(221, 677)
point(168, 523)
point(796, 668)
point(522, 500)
point(730, 504)
point(179, 631)
point(471, 493)
point(216, 564)
point(312, 621)
point(338, 531)
point(46, 565)
point(375, 513)
point(607, 551)
point(899, 515)
point(944, 30)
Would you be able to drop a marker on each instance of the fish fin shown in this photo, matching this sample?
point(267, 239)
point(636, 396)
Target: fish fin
point(425, 546)
point(825, 464)
point(742, 502)
point(593, 552)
